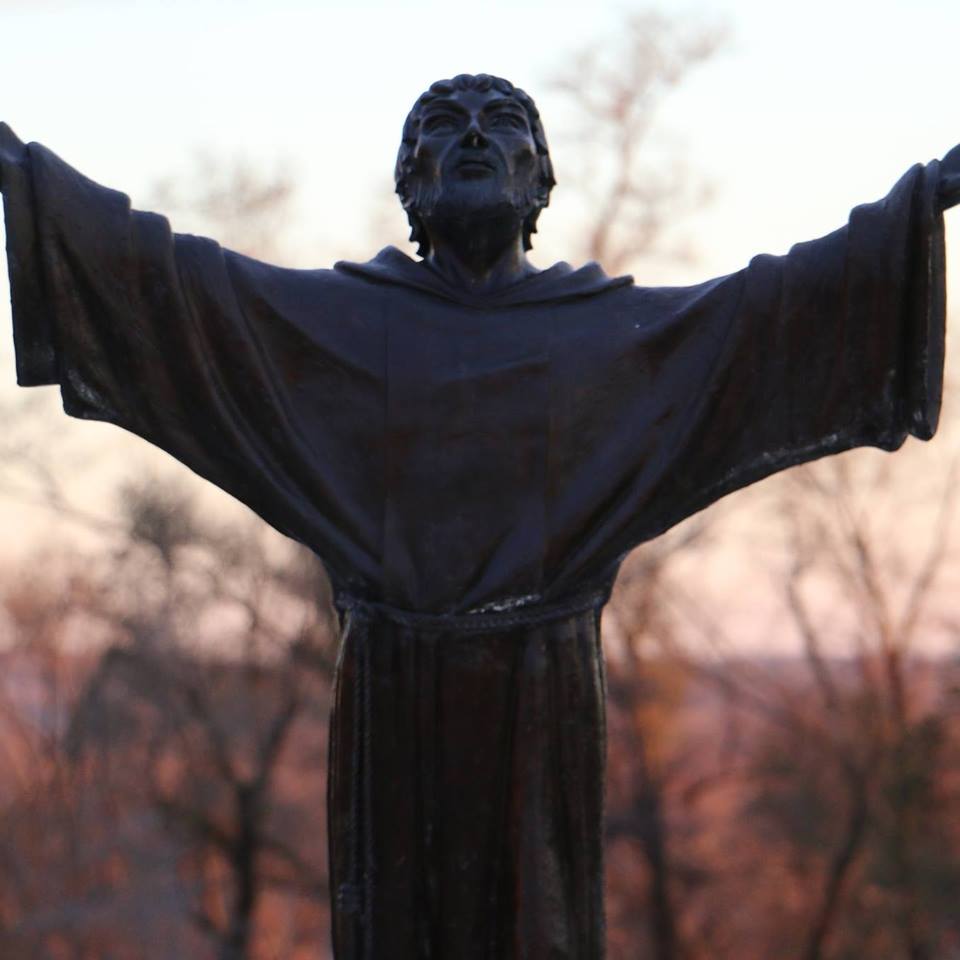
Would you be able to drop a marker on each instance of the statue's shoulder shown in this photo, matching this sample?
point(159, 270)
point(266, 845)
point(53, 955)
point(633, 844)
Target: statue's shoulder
point(326, 305)
point(274, 280)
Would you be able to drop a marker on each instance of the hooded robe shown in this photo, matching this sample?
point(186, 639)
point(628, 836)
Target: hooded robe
point(471, 470)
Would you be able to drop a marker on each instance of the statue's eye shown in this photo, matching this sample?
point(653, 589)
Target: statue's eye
point(508, 120)
point(439, 122)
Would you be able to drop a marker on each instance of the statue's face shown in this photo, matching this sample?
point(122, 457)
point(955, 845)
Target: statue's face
point(474, 152)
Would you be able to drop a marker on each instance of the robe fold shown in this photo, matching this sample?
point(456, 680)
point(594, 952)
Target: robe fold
point(471, 470)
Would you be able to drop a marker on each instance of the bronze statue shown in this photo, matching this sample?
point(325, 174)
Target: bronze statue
point(471, 446)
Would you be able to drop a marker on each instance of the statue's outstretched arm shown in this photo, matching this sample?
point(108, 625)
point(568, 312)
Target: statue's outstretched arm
point(246, 372)
point(837, 344)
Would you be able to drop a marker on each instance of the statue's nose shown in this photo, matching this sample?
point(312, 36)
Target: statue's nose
point(473, 136)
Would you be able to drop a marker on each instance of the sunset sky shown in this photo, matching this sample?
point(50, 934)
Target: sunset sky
point(807, 110)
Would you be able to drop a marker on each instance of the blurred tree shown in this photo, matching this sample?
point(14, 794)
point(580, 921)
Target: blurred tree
point(673, 748)
point(631, 188)
point(235, 202)
point(218, 675)
point(854, 786)
point(82, 875)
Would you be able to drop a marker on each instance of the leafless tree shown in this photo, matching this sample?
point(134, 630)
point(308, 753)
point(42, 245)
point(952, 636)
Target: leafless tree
point(221, 721)
point(234, 201)
point(855, 778)
point(631, 188)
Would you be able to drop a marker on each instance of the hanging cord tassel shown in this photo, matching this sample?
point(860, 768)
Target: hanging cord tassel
point(356, 896)
point(367, 796)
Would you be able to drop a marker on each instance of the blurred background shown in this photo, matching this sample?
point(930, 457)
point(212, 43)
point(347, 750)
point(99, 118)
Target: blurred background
point(784, 756)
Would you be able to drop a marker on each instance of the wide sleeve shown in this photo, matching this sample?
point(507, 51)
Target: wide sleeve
point(838, 344)
point(210, 356)
point(702, 390)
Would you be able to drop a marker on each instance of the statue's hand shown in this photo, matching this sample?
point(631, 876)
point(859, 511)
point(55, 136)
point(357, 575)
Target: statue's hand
point(950, 178)
point(10, 147)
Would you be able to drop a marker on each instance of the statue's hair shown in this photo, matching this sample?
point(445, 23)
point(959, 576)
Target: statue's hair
point(481, 82)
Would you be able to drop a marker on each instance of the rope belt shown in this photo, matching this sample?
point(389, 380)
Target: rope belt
point(492, 617)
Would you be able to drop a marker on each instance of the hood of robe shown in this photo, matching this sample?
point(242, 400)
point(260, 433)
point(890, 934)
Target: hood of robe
point(556, 284)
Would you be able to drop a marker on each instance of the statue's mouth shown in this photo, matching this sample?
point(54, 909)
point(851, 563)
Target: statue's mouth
point(476, 165)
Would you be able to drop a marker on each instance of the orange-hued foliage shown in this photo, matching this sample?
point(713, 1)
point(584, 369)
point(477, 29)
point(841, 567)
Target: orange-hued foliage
point(163, 791)
point(163, 728)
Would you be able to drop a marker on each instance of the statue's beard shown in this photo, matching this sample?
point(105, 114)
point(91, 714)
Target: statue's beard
point(472, 203)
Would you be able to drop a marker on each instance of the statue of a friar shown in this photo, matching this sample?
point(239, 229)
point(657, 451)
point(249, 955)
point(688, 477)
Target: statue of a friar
point(472, 445)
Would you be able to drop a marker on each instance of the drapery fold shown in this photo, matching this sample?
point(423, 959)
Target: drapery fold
point(466, 792)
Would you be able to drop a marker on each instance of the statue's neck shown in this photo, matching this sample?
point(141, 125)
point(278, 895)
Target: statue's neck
point(478, 257)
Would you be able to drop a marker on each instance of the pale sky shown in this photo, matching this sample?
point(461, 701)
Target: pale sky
point(809, 109)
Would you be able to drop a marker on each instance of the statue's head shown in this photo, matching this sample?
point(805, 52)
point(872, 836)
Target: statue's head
point(472, 144)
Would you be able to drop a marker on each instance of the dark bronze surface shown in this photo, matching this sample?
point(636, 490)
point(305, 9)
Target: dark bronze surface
point(471, 446)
